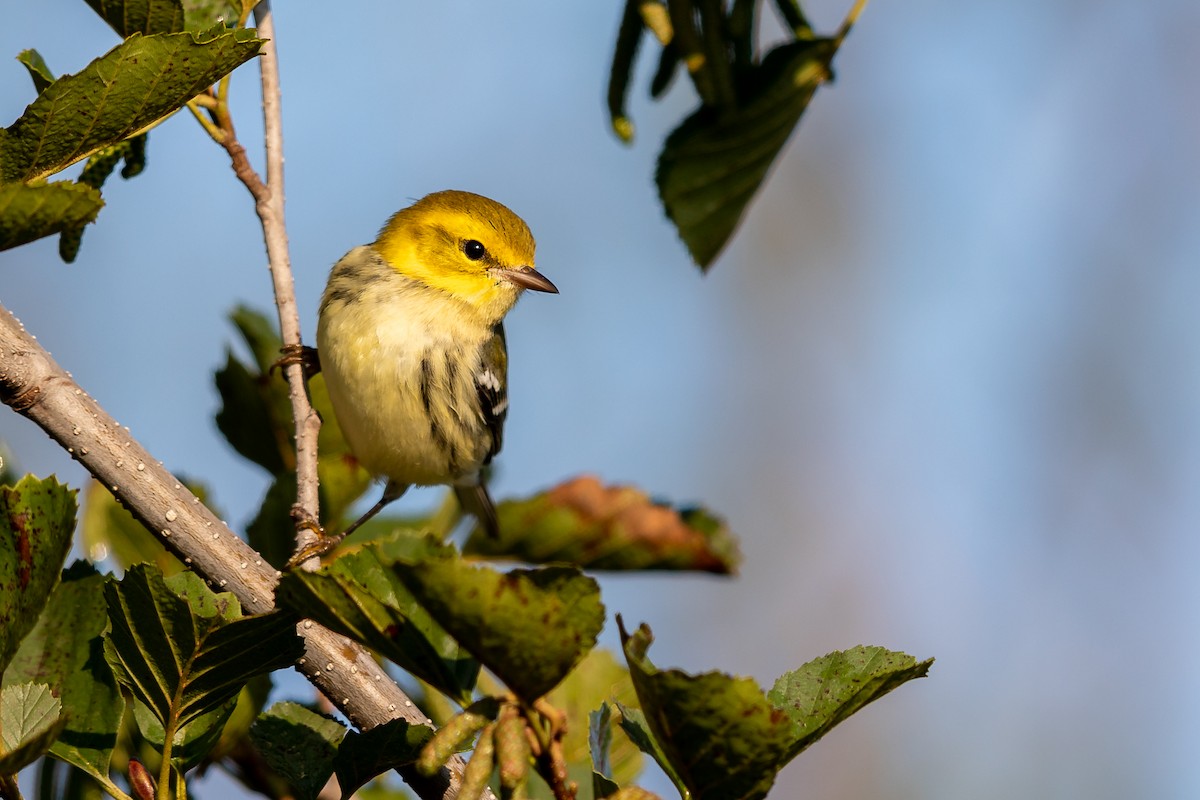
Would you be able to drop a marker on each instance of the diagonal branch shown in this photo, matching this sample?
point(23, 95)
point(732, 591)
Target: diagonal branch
point(34, 385)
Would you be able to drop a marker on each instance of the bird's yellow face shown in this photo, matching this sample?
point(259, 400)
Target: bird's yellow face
point(466, 245)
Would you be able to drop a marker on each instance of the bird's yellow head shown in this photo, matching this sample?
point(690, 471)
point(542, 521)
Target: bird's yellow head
point(464, 244)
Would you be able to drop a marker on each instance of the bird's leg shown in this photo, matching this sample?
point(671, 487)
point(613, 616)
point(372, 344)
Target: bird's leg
point(307, 357)
point(326, 543)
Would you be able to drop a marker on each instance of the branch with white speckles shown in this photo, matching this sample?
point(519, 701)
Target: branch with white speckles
point(34, 385)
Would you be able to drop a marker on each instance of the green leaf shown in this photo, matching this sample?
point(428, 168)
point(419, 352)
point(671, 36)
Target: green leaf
point(28, 213)
point(65, 651)
point(204, 14)
point(127, 17)
point(584, 522)
point(362, 756)
point(36, 521)
point(712, 165)
point(357, 596)
point(598, 680)
point(720, 734)
point(825, 691)
point(184, 652)
point(600, 739)
point(39, 72)
point(299, 744)
point(136, 84)
point(633, 722)
point(248, 417)
point(192, 744)
point(530, 627)
point(272, 532)
point(109, 531)
point(30, 719)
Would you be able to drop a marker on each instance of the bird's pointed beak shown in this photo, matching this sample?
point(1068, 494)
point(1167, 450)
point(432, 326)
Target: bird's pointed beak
point(526, 278)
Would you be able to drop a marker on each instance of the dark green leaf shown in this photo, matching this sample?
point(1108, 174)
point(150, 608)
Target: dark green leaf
point(28, 213)
point(139, 82)
point(299, 744)
point(192, 744)
point(38, 71)
point(721, 735)
point(825, 691)
point(127, 17)
point(712, 165)
point(272, 533)
point(36, 521)
point(530, 627)
point(186, 656)
point(364, 755)
point(66, 652)
point(30, 720)
point(615, 527)
point(359, 597)
point(247, 417)
point(629, 38)
point(633, 722)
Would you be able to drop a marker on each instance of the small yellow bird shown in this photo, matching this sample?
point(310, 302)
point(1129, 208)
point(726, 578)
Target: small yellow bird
point(412, 346)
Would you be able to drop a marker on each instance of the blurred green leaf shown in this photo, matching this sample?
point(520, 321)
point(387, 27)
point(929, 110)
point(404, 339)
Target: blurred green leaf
point(36, 521)
point(248, 417)
point(204, 14)
point(185, 652)
point(825, 691)
point(127, 17)
point(109, 531)
point(39, 72)
point(30, 720)
point(712, 165)
point(299, 744)
point(530, 627)
point(137, 83)
point(364, 755)
point(65, 650)
point(608, 527)
point(360, 597)
point(28, 213)
point(633, 722)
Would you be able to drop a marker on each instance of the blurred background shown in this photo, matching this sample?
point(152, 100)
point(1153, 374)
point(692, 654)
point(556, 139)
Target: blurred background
point(943, 384)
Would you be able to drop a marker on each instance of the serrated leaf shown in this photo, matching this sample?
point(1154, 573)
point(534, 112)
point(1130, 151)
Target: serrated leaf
point(30, 720)
point(137, 83)
point(127, 17)
point(39, 72)
point(65, 651)
point(358, 596)
point(185, 657)
point(584, 522)
point(36, 521)
point(362, 756)
point(28, 213)
point(825, 691)
point(530, 627)
point(712, 165)
point(299, 744)
point(193, 743)
point(721, 735)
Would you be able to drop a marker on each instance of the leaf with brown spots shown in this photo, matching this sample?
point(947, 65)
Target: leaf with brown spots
point(608, 527)
point(719, 736)
point(36, 521)
point(530, 627)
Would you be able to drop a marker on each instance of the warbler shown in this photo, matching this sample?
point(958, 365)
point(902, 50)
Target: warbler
point(411, 341)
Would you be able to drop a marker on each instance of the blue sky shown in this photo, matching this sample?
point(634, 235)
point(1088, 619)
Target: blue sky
point(943, 384)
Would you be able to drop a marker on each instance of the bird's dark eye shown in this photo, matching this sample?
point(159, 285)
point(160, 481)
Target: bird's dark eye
point(474, 249)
